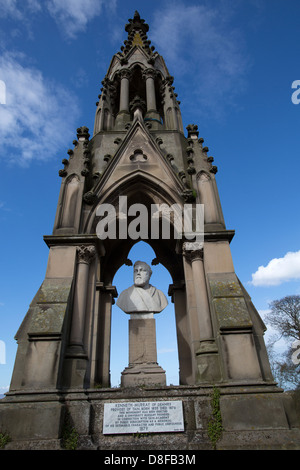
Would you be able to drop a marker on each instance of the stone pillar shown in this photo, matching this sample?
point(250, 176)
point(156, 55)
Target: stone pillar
point(149, 75)
point(123, 116)
point(210, 198)
point(143, 368)
point(191, 316)
point(195, 251)
point(206, 355)
point(178, 294)
point(142, 339)
point(124, 91)
point(106, 299)
point(85, 255)
point(152, 113)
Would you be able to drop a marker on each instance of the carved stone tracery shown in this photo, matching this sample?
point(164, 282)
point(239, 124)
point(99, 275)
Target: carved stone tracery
point(193, 250)
point(85, 253)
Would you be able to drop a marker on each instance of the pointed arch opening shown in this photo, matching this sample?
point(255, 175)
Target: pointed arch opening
point(166, 336)
point(137, 84)
point(113, 270)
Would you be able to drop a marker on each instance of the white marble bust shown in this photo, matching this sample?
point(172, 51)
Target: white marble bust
point(142, 297)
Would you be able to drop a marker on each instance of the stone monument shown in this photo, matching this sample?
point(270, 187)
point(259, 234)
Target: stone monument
point(140, 153)
point(142, 301)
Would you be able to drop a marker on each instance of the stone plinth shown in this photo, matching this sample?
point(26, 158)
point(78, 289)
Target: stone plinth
point(143, 368)
point(254, 417)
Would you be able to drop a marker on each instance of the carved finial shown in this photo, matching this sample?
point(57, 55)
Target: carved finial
point(137, 37)
point(192, 131)
point(62, 173)
point(136, 23)
point(83, 133)
point(137, 102)
point(89, 197)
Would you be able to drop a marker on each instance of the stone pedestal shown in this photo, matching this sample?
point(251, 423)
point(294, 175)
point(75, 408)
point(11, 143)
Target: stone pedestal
point(143, 368)
point(253, 417)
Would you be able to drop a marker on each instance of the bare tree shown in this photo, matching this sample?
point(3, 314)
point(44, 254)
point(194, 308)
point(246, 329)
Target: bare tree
point(284, 317)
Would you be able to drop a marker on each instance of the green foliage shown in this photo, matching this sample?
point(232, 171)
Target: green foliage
point(70, 439)
point(215, 426)
point(4, 439)
point(69, 434)
point(139, 435)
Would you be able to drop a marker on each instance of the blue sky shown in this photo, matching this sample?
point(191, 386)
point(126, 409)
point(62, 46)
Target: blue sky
point(234, 63)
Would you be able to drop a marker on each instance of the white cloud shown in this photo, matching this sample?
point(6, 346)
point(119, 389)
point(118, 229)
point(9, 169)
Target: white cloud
point(9, 8)
point(38, 116)
point(34, 5)
point(198, 42)
point(18, 9)
point(278, 270)
point(73, 15)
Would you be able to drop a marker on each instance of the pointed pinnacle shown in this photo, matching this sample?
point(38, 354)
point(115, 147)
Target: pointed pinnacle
point(136, 23)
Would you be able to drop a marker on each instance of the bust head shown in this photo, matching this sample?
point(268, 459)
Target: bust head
point(141, 274)
point(142, 297)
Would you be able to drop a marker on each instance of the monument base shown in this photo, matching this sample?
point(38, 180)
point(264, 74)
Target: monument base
point(143, 374)
point(257, 417)
point(143, 368)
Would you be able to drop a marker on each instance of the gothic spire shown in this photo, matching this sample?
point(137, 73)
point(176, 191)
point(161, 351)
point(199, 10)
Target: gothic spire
point(137, 23)
point(137, 35)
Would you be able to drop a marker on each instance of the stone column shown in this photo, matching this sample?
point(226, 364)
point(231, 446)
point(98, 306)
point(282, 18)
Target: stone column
point(206, 355)
point(152, 113)
point(178, 294)
point(124, 91)
point(149, 75)
point(143, 368)
point(191, 315)
point(123, 116)
point(85, 255)
point(195, 252)
point(106, 299)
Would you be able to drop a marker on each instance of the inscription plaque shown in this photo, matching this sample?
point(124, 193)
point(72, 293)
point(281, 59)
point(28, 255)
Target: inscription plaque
point(145, 416)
